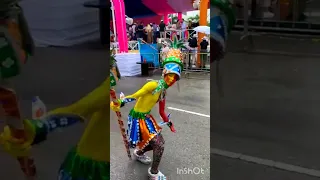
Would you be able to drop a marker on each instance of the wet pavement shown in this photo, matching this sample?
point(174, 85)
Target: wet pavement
point(231, 169)
point(270, 110)
point(188, 148)
point(60, 76)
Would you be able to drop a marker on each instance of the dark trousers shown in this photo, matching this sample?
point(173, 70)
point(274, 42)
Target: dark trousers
point(203, 57)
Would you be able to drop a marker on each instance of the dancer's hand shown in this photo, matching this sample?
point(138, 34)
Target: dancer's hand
point(115, 106)
point(170, 124)
point(17, 147)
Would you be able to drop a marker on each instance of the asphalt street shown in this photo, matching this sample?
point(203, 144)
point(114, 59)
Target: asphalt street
point(188, 148)
point(60, 76)
point(270, 110)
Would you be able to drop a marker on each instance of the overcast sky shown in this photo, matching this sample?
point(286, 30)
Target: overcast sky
point(193, 13)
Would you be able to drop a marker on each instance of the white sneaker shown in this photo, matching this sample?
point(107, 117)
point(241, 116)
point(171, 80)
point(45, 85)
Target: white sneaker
point(158, 176)
point(142, 158)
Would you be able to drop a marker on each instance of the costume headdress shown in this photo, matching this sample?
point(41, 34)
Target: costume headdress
point(173, 63)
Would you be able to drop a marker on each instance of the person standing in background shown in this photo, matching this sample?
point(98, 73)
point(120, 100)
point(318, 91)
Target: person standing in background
point(203, 50)
point(162, 27)
point(178, 29)
point(134, 26)
point(140, 29)
point(193, 44)
point(183, 29)
point(155, 31)
point(149, 34)
point(190, 29)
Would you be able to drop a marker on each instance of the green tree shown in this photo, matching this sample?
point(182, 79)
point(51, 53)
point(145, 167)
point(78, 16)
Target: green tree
point(174, 18)
point(194, 18)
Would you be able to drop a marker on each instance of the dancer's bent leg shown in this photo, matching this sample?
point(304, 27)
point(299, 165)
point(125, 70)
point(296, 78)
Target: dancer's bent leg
point(157, 144)
point(144, 150)
point(141, 156)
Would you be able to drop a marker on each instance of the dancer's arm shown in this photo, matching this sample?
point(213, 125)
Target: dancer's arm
point(147, 88)
point(163, 114)
point(162, 107)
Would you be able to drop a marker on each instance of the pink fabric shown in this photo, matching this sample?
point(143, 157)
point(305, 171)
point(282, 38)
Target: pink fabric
point(166, 19)
point(121, 25)
point(160, 7)
point(181, 5)
point(179, 16)
point(147, 20)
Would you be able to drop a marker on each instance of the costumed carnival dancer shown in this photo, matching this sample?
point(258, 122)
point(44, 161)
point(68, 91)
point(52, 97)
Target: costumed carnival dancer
point(144, 133)
point(16, 46)
point(89, 160)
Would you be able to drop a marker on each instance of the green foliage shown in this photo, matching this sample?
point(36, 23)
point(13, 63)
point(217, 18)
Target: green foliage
point(177, 44)
point(194, 18)
point(113, 61)
point(174, 18)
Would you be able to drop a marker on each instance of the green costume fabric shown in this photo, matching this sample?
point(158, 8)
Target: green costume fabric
point(77, 167)
point(10, 48)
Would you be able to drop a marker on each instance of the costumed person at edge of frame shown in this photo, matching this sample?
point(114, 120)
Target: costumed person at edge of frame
point(90, 158)
point(143, 131)
point(222, 20)
point(16, 45)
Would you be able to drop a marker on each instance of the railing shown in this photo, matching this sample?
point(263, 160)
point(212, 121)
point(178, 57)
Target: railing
point(286, 16)
point(132, 45)
point(192, 67)
point(188, 33)
point(284, 19)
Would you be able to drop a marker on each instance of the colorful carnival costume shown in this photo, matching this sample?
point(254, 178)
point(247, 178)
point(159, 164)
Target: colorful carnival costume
point(89, 160)
point(16, 46)
point(144, 133)
point(222, 19)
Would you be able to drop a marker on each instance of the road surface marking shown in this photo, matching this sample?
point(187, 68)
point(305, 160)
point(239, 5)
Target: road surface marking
point(266, 162)
point(189, 112)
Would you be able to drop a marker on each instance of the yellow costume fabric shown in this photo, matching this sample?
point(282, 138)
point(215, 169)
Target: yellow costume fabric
point(142, 126)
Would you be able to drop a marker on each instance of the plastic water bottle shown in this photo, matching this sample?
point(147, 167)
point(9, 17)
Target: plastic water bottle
point(39, 110)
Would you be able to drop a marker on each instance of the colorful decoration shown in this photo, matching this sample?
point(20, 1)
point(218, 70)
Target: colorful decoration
point(142, 126)
point(114, 77)
point(120, 121)
point(15, 44)
point(90, 158)
point(222, 19)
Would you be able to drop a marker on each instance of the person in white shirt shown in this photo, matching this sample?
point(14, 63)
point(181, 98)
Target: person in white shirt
point(164, 51)
point(183, 28)
point(134, 29)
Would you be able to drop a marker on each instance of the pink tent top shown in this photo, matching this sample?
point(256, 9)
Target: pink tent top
point(162, 7)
